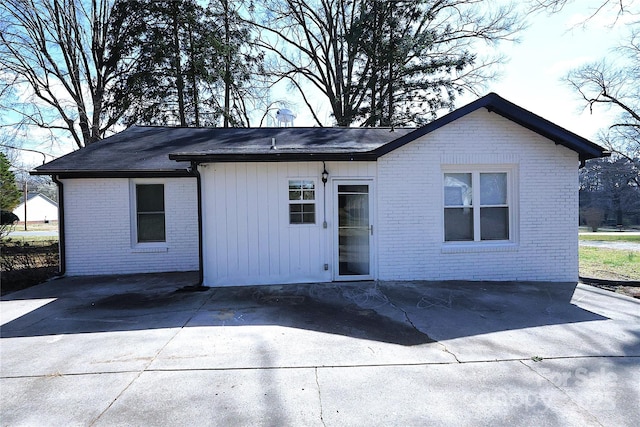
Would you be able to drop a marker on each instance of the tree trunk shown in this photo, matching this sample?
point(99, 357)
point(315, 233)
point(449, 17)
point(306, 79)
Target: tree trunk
point(178, 67)
point(194, 79)
point(227, 65)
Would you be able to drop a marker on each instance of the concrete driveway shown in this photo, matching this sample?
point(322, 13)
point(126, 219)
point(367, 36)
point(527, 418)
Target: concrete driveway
point(134, 350)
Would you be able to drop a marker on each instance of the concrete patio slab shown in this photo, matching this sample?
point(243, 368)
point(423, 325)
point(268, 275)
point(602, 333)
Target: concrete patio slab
point(276, 346)
point(504, 393)
point(608, 388)
point(269, 397)
point(76, 354)
point(139, 350)
point(59, 400)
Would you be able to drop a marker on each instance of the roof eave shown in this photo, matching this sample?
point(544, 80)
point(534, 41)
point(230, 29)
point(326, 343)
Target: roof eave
point(64, 173)
point(273, 156)
point(585, 148)
point(496, 104)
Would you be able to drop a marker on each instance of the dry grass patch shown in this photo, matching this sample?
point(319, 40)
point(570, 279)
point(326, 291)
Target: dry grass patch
point(609, 264)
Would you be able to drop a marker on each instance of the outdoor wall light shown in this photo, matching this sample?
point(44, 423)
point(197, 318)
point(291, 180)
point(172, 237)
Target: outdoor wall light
point(325, 178)
point(325, 174)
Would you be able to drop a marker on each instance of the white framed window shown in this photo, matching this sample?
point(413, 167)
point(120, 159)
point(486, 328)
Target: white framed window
point(302, 201)
point(148, 212)
point(479, 204)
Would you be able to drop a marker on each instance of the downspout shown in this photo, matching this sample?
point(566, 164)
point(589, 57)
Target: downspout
point(61, 236)
point(194, 170)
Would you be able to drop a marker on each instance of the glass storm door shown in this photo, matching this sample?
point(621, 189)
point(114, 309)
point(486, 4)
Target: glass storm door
point(354, 231)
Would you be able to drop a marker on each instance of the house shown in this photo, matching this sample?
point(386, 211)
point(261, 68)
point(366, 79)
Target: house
point(487, 192)
point(37, 208)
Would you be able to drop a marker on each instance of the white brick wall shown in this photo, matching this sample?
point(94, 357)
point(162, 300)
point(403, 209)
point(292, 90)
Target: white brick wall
point(98, 236)
point(410, 211)
point(408, 218)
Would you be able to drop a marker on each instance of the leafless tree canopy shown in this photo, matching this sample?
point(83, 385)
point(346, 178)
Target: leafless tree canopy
point(80, 67)
point(59, 67)
point(383, 62)
point(615, 85)
point(553, 6)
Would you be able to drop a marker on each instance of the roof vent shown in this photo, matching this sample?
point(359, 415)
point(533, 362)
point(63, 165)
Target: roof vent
point(285, 117)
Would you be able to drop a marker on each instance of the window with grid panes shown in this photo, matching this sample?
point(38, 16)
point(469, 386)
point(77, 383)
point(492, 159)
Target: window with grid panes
point(302, 202)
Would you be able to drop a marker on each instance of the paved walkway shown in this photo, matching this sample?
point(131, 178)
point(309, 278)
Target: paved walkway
point(131, 350)
point(625, 246)
point(18, 233)
point(620, 245)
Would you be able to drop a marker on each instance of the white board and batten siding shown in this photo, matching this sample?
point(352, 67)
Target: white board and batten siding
point(247, 234)
point(98, 228)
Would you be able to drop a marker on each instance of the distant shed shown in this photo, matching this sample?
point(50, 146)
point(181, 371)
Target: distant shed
point(40, 208)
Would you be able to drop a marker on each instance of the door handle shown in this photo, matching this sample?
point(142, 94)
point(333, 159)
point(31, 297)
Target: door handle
point(371, 228)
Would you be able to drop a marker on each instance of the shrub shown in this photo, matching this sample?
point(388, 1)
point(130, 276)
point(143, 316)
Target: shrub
point(593, 217)
point(27, 264)
point(7, 222)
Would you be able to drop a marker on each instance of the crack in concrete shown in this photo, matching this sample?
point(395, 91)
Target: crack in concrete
point(319, 397)
point(146, 367)
point(406, 316)
point(408, 319)
point(446, 350)
point(561, 390)
point(362, 365)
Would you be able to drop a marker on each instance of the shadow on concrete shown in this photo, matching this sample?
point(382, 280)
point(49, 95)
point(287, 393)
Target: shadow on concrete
point(405, 313)
point(336, 309)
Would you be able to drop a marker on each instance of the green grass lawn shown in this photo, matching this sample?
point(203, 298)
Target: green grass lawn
point(633, 238)
point(609, 264)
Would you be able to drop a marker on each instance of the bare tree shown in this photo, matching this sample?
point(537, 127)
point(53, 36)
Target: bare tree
point(554, 6)
point(610, 186)
point(615, 85)
point(408, 58)
point(614, 82)
point(67, 60)
point(240, 63)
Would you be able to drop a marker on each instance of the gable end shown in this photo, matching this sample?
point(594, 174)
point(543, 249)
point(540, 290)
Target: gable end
point(498, 105)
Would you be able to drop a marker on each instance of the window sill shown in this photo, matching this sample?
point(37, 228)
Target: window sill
point(149, 249)
point(466, 247)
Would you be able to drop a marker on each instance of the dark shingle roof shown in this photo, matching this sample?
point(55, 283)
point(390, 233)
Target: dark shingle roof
point(34, 195)
point(141, 151)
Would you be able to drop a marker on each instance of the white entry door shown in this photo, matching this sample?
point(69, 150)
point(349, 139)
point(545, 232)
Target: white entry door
point(353, 251)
